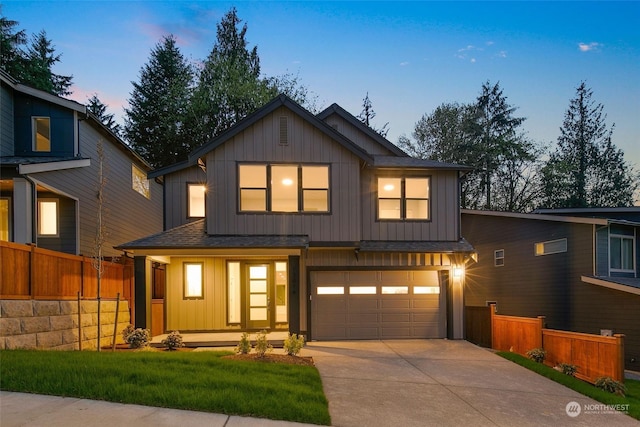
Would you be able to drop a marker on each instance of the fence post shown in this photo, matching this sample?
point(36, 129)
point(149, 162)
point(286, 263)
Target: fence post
point(539, 343)
point(619, 368)
point(31, 273)
point(492, 308)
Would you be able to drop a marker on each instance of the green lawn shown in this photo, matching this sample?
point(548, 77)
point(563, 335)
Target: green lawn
point(200, 381)
point(632, 397)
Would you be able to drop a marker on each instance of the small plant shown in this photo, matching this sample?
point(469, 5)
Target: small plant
point(611, 385)
point(567, 369)
point(126, 332)
point(537, 354)
point(293, 344)
point(173, 341)
point(139, 338)
point(262, 344)
point(244, 346)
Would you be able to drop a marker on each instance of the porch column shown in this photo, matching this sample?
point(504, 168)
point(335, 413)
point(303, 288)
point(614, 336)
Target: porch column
point(23, 214)
point(141, 294)
point(294, 294)
point(455, 305)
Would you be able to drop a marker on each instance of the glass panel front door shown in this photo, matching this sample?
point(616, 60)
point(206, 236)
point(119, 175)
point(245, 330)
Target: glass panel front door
point(259, 298)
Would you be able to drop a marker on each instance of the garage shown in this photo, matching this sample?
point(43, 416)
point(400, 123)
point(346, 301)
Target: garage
point(351, 305)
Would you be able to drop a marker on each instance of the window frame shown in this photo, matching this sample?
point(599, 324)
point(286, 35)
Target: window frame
point(185, 282)
point(9, 219)
point(40, 217)
point(403, 198)
point(191, 185)
point(34, 134)
point(300, 191)
point(551, 252)
point(623, 237)
point(145, 190)
point(497, 258)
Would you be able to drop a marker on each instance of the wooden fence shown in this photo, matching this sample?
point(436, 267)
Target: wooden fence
point(477, 325)
point(594, 355)
point(29, 272)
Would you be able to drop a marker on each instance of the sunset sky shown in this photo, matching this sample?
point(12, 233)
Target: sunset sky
point(409, 56)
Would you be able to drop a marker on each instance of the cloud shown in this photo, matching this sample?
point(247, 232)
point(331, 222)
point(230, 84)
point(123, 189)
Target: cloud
point(473, 60)
point(404, 63)
point(502, 54)
point(587, 47)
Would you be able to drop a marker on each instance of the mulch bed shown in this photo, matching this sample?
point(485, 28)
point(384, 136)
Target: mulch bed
point(273, 358)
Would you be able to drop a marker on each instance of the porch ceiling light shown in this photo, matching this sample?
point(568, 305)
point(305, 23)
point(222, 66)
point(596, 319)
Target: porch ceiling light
point(388, 187)
point(287, 181)
point(458, 272)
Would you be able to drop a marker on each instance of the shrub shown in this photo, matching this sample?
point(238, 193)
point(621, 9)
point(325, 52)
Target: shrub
point(139, 338)
point(293, 344)
point(567, 369)
point(244, 346)
point(262, 344)
point(126, 332)
point(173, 341)
point(537, 354)
point(610, 385)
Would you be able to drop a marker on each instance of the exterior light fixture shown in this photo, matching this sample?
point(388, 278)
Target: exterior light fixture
point(458, 272)
point(287, 181)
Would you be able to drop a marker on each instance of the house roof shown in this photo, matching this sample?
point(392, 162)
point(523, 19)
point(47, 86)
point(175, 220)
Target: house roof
point(624, 284)
point(193, 236)
point(336, 109)
point(277, 102)
point(411, 162)
point(557, 218)
point(415, 246)
point(63, 102)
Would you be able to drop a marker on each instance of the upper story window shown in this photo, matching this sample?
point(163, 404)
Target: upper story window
point(403, 198)
point(283, 188)
point(48, 217)
point(621, 253)
point(550, 247)
point(196, 205)
point(41, 134)
point(139, 181)
point(498, 258)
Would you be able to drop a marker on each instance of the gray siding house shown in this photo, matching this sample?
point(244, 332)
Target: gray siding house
point(578, 267)
point(305, 223)
point(49, 176)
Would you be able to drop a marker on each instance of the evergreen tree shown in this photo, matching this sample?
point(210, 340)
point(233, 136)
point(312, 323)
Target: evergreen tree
point(230, 86)
point(586, 169)
point(159, 106)
point(11, 42)
point(367, 115)
point(99, 109)
point(40, 59)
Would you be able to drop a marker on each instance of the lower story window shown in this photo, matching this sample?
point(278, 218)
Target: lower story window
point(4, 218)
point(193, 280)
point(48, 217)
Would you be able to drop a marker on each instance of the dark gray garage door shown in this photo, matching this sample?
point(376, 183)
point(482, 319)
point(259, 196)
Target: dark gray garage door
point(376, 305)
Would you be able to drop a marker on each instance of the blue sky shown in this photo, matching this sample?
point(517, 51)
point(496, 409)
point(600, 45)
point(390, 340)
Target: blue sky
point(409, 56)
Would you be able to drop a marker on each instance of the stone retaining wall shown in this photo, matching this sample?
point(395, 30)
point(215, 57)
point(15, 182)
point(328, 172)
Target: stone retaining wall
point(36, 324)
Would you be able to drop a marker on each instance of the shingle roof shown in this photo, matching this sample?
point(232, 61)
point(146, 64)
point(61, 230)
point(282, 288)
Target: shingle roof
point(194, 236)
point(410, 162)
point(415, 246)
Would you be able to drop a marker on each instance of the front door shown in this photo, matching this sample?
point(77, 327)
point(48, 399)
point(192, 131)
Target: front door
point(259, 297)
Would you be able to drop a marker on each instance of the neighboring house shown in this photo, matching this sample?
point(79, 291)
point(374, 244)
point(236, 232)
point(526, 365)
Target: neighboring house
point(49, 168)
point(578, 267)
point(309, 224)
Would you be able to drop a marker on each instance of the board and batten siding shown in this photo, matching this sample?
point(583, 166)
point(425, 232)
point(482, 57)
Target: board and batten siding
point(445, 221)
point(6, 121)
point(357, 136)
point(176, 194)
point(127, 215)
point(307, 145)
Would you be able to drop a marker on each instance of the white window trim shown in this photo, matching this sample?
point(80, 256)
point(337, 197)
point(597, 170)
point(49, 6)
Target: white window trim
point(633, 255)
point(496, 258)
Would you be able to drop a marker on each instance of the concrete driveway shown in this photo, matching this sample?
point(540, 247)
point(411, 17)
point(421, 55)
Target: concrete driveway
point(444, 383)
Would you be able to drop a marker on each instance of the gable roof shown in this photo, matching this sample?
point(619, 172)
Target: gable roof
point(547, 217)
point(412, 162)
point(49, 97)
point(277, 102)
point(336, 109)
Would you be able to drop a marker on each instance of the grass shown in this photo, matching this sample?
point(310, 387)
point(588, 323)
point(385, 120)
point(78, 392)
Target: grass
point(632, 397)
point(200, 381)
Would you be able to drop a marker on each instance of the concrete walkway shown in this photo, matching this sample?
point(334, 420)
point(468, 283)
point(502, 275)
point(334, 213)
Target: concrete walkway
point(368, 383)
point(443, 383)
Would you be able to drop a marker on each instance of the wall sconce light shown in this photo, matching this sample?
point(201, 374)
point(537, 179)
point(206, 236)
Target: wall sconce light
point(458, 272)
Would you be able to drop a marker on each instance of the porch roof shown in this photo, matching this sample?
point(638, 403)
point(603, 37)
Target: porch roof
point(624, 284)
point(416, 246)
point(194, 236)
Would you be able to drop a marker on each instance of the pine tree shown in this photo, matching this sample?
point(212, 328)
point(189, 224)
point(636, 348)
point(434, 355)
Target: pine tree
point(229, 86)
point(99, 109)
point(12, 59)
point(586, 169)
point(367, 115)
point(40, 59)
point(155, 122)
